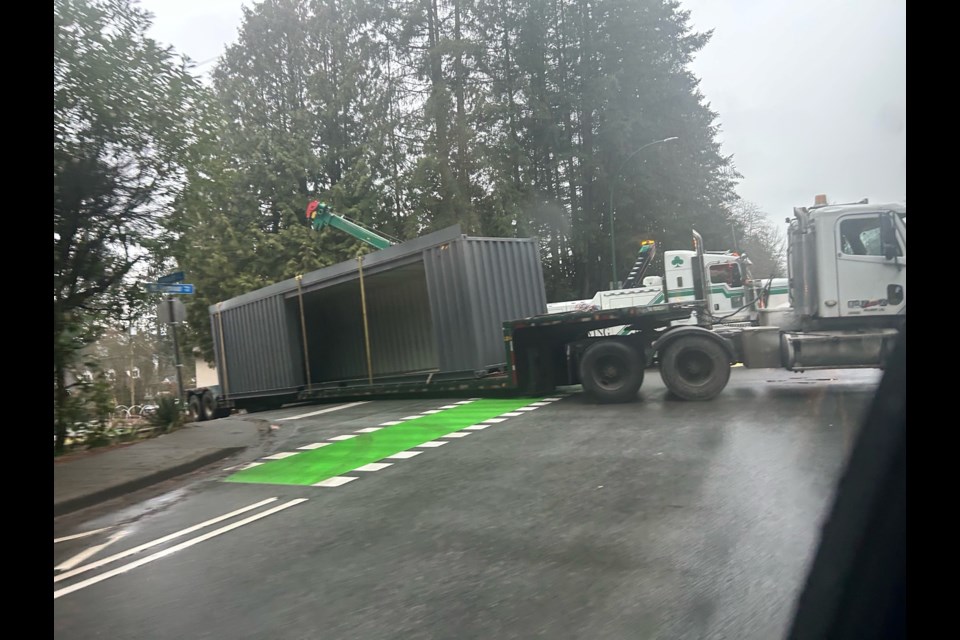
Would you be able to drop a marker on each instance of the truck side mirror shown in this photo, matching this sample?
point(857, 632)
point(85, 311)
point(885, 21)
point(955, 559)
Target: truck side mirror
point(888, 237)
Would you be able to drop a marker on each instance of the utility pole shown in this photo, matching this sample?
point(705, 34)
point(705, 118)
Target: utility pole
point(176, 350)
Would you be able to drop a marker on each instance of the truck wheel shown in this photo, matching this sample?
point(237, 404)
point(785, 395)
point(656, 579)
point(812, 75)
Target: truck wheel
point(695, 368)
point(194, 408)
point(611, 372)
point(208, 406)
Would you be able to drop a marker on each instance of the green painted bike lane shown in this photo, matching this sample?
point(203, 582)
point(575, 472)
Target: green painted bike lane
point(310, 467)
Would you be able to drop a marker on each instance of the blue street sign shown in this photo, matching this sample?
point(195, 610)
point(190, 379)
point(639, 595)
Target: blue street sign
point(157, 287)
point(171, 278)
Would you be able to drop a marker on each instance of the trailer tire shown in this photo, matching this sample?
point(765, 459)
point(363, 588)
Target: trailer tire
point(208, 406)
point(193, 407)
point(611, 372)
point(695, 368)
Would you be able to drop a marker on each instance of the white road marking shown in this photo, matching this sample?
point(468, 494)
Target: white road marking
point(369, 429)
point(327, 410)
point(410, 418)
point(495, 420)
point(80, 535)
point(403, 455)
point(449, 406)
point(345, 437)
point(512, 414)
point(433, 443)
point(167, 538)
point(430, 411)
point(374, 466)
point(551, 399)
point(538, 404)
point(280, 456)
point(166, 552)
point(391, 423)
point(457, 434)
point(311, 447)
point(528, 408)
point(464, 402)
point(335, 481)
point(251, 465)
point(83, 555)
point(478, 427)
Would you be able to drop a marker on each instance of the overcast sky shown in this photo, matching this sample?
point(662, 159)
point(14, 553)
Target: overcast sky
point(810, 94)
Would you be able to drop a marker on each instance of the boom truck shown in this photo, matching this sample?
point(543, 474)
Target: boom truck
point(847, 305)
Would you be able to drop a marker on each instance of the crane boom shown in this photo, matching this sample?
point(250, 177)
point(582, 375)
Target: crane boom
point(320, 216)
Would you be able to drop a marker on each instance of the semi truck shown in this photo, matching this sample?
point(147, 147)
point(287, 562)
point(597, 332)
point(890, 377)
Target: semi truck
point(847, 304)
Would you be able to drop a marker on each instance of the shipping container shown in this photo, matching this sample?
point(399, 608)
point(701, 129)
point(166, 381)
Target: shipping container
point(435, 308)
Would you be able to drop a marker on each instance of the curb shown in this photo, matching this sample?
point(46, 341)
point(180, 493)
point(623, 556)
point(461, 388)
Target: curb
point(116, 491)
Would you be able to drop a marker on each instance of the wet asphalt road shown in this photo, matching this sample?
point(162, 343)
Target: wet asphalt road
point(657, 519)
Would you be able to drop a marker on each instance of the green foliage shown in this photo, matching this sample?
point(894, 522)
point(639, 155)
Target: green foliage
point(169, 414)
point(508, 118)
point(121, 133)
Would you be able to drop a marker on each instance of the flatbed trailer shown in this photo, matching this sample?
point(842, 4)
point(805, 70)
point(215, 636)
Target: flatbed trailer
point(541, 353)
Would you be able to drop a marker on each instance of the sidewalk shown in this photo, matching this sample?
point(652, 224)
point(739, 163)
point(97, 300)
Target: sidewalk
point(85, 480)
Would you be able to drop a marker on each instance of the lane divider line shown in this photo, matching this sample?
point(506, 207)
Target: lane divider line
point(81, 535)
point(322, 411)
point(374, 466)
point(166, 552)
point(433, 443)
point(87, 553)
point(167, 538)
point(335, 481)
point(314, 445)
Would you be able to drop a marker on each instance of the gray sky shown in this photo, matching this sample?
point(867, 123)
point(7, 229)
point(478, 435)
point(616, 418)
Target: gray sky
point(811, 94)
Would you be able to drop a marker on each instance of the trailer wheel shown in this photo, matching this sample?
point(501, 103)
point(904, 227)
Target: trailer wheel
point(695, 368)
point(193, 407)
point(611, 371)
point(208, 406)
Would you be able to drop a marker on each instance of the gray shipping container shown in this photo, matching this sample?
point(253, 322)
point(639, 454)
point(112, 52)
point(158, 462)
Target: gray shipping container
point(435, 307)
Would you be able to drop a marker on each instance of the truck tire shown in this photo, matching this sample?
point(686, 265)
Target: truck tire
point(193, 407)
point(695, 368)
point(610, 371)
point(208, 406)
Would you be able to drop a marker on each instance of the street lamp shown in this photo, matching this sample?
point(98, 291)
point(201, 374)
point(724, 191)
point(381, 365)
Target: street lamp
point(613, 241)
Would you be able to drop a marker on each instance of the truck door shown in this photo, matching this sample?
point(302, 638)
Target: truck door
point(871, 265)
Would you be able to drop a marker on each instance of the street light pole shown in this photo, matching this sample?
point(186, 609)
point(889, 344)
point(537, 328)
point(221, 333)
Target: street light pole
point(613, 238)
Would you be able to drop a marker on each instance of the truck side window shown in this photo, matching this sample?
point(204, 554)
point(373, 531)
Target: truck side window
point(861, 237)
point(726, 274)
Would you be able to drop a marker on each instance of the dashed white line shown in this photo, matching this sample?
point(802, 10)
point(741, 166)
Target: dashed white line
point(512, 414)
point(251, 465)
point(280, 456)
point(374, 466)
point(495, 420)
point(457, 434)
point(369, 429)
point(166, 552)
point(344, 437)
point(433, 443)
point(403, 455)
point(335, 481)
point(528, 408)
point(464, 402)
point(409, 417)
point(551, 399)
point(478, 427)
point(538, 404)
point(391, 423)
point(430, 412)
point(327, 410)
point(312, 446)
point(449, 406)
